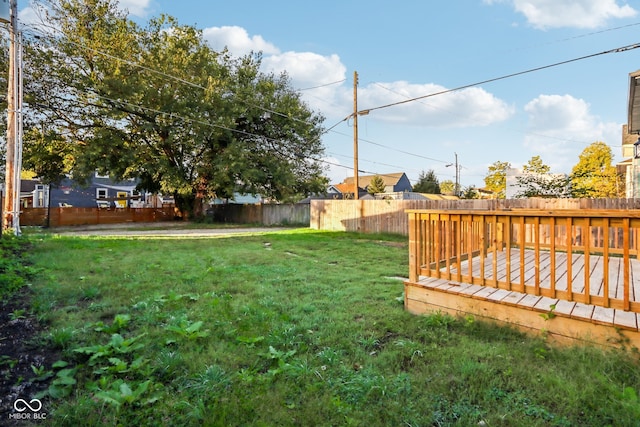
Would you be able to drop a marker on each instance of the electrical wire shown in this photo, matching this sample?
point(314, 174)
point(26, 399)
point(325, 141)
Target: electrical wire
point(442, 92)
point(166, 75)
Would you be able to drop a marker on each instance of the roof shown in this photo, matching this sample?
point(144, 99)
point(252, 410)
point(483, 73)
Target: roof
point(430, 196)
point(364, 180)
point(345, 188)
point(28, 185)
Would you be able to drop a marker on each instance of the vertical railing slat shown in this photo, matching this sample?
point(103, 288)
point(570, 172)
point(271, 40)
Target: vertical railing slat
point(459, 248)
point(605, 260)
point(552, 255)
point(507, 238)
point(536, 248)
point(569, 244)
point(522, 244)
point(626, 261)
point(586, 232)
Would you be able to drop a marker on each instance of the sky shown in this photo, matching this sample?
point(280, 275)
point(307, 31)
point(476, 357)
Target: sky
point(403, 50)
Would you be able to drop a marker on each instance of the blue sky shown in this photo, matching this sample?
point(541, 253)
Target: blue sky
point(408, 49)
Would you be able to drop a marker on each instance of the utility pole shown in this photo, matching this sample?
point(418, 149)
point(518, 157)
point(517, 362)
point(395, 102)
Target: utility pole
point(456, 188)
point(355, 135)
point(457, 176)
point(11, 201)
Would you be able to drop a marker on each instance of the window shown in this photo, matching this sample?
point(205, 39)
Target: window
point(40, 196)
point(102, 193)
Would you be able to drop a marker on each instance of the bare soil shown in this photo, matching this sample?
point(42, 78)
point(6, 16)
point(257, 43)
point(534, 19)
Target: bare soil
point(21, 349)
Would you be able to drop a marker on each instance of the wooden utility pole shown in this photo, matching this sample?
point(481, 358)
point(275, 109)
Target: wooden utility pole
point(11, 201)
point(457, 176)
point(355, 136)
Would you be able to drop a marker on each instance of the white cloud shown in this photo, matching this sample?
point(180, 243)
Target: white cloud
point(317, 75)
point(561, 125)
point(463, 108)
point(135, 7)
point(34, 13)
point(469, 107)
point(545, 14)
point(237, 40)
point(30, 15)
point(336, 172)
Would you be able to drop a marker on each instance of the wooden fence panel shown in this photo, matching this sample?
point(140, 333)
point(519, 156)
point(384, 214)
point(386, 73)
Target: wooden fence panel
point(266, 214)
point(388, 216)
point(58, 217)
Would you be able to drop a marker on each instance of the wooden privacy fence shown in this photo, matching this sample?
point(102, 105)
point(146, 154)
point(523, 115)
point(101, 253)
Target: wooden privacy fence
point(388, 216)
point(266, 214)
point(588, 257)
point(57, 217)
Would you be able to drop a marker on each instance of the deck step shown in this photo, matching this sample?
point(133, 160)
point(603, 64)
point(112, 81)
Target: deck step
point(575, 310)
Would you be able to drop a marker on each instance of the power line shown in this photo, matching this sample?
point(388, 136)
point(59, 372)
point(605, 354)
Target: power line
point(442, 92)
point(195, 85)
point(324, 85)
point(161, 73)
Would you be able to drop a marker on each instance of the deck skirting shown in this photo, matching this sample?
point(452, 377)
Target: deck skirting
point(562, 321)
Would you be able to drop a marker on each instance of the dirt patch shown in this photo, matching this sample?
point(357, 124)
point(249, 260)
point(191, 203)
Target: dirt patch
point(22, 352)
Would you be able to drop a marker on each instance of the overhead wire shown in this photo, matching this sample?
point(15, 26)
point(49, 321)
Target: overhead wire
point(166, 75)
point(519, 73)
point(181, 80)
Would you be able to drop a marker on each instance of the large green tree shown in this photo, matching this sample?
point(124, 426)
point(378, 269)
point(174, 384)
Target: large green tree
point(427, 183)
point(594, 176)
point(496, 178)
point(159, 105)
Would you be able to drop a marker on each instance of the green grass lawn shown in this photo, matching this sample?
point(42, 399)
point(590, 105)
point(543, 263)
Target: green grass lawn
point(293, 328)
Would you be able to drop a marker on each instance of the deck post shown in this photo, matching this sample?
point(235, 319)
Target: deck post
point(413, 247)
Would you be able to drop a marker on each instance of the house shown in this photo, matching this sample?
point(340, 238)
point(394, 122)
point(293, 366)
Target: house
point(240, 199)
point(486, 193)
point(101, 192)
point(344, 191)
point(393, 182)
point(627, 167)
point(33, 194)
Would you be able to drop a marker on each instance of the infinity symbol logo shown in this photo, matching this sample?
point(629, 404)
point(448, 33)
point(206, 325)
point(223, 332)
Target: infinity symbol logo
point(21, 405)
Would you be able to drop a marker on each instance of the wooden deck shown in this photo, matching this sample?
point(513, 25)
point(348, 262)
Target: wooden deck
point(506, 272)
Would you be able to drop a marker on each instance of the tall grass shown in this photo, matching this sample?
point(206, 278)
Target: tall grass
point(293, 328)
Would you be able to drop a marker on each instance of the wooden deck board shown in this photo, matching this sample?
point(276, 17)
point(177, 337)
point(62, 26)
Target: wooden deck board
point(564, 307)
point(625, 319)
point(603, 315)
point(578, 310)
point(546, 304)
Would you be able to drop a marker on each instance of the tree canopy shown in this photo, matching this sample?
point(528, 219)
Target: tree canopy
point(496, 178)
point(594, 176)
point(536, 181)
point(427, 183)
point(447, 187)
point(536, 165)
point(157, 104)
point(376, 185)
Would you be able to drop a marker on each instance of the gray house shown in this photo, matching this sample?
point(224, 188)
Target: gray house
point(101, 192)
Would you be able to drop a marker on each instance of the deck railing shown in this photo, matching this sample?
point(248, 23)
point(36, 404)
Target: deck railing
point(586, 256)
